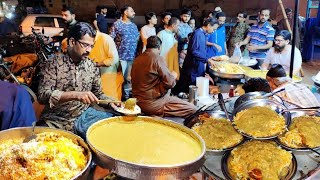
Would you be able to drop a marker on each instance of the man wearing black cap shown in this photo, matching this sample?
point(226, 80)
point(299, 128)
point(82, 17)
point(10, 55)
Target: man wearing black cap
point(294, 93)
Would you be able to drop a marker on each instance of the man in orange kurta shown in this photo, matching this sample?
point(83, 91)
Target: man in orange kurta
point(152, 81)
point(105, 54)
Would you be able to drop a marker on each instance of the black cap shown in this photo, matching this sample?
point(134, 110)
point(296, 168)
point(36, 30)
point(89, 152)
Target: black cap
point(276, 70)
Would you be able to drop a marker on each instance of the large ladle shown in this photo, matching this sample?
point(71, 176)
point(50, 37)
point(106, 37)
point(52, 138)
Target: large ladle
point(223, 105)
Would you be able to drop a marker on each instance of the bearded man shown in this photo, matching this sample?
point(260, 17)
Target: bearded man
point(281, 53)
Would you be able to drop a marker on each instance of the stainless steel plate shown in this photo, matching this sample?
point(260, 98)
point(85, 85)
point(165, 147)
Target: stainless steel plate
point(277, 107)
point(219, 114)
point(277, 140)
point(254, 95)
point(226, 173)
point(227, 75)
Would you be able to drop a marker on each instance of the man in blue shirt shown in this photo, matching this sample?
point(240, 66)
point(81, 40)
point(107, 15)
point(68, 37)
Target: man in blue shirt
point(101, 22)
point(260, 37)
point(194, 63)
point(128, 35)
point(182, 34)
point(217, 45)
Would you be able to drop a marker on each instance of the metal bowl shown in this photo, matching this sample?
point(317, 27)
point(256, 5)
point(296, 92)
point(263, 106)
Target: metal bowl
point(277, 140)
point(212, 152)
point(225, 170)
point(254, 95)
point(140, 171)
point(226, 75)
point(277, 107)
point(22, 132)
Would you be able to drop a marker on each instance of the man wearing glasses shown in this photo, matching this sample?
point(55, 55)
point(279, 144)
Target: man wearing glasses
point(260, 37)
point(70, 83)
point(281, 53)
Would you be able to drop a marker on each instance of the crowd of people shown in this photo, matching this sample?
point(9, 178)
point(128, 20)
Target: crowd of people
point(99, 62)
point(104, 63)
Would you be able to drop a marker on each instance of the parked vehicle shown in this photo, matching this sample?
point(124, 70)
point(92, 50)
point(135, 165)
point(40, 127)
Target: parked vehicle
point(47, 24)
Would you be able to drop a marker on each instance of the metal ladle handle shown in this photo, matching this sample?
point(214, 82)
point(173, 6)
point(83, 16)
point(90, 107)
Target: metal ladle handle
point(317, 108)
point(222, 105)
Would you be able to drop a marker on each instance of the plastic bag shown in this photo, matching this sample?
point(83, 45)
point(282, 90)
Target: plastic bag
point(236, 54)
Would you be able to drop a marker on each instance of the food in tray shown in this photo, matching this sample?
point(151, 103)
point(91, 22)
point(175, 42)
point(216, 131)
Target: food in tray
point(221, 58)
point(218, 133)
point(144, 142)
point(259, 122)
point(228, 68)
point(49, 156)
point(259, 160)
point(263, 73)
point(130, 103)
point(303, 132)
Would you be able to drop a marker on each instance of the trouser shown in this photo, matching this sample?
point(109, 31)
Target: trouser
point(126, 70)
point(178, 107)
point(87, 118)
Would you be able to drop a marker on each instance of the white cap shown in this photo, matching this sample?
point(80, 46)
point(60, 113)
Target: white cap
point(218, 9)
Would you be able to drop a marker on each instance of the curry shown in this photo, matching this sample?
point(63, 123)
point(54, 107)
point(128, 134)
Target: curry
point(130, 104)
point(144, 142)
point(259, 160)
point(260, 122)
point(303, 132)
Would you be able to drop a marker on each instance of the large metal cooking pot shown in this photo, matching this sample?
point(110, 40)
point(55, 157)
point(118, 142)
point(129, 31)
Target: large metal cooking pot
point(292, 169)
point(254, 95)
point(276, 106)
point(213, 152)
point(137, 171)
point(22, 132)
point(227, 75)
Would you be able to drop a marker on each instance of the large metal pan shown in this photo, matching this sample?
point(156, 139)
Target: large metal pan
point(276, 106)
point(291, 171)
point(212, 152)
point(227, 75)
point(22, 132)
point(138, 171)
point(254, 95)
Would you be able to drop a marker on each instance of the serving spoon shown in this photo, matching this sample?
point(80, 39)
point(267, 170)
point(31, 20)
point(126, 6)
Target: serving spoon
point(222, 105)
point(316, 108)
point(33, 135)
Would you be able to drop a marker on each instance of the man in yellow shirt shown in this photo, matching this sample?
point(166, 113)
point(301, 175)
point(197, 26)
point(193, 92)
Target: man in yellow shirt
point(105, 54)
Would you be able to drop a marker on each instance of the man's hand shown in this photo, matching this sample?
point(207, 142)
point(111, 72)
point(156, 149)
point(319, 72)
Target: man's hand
point(211, 62)
point(209, 77)
point(102, 64)
point(218, 47)
point(174, 74)
point(252, 48)
point(185, 40)
point(86, 97)
point(238, 44)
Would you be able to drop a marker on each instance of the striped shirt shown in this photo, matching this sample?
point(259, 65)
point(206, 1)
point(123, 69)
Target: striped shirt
point(259, 36)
